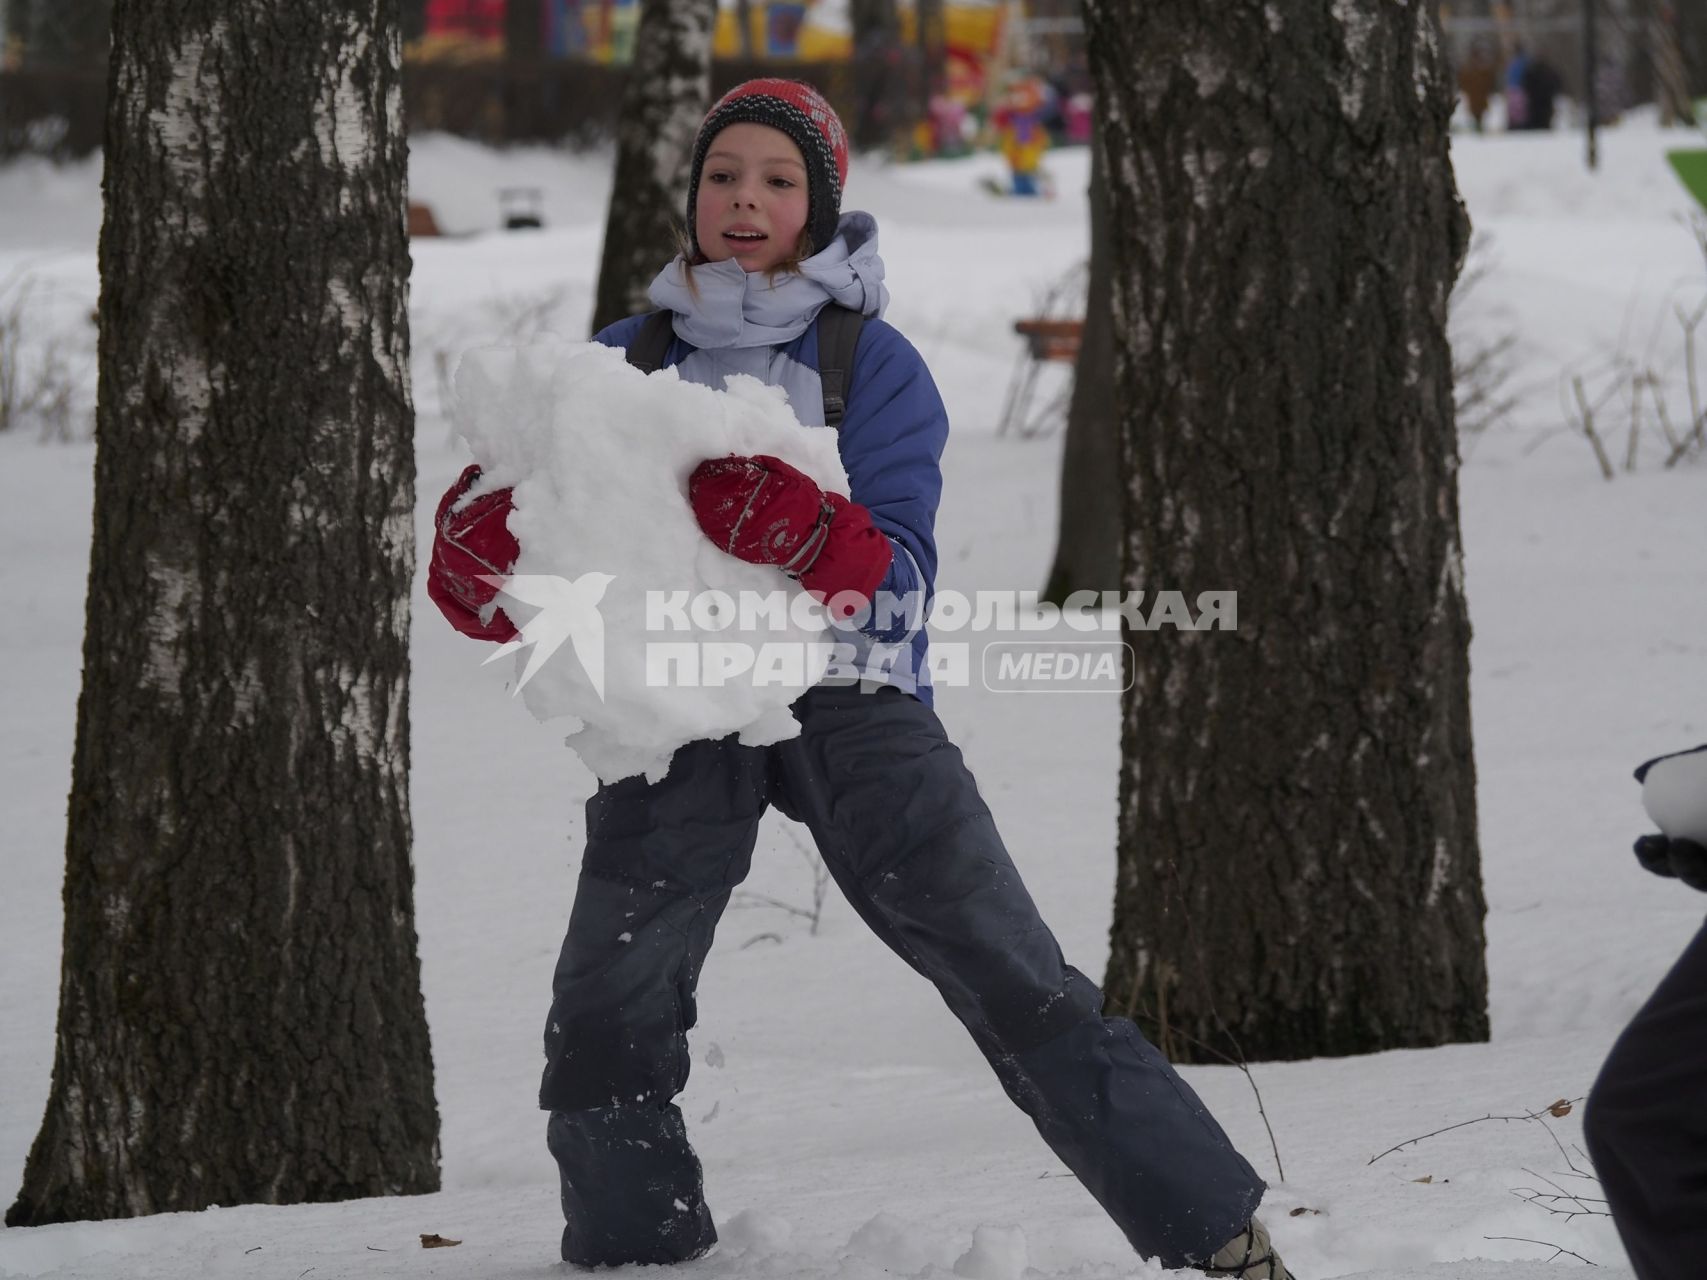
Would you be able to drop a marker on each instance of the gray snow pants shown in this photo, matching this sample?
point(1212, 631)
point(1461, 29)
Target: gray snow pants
point(901, 827)
point(1646, 1125)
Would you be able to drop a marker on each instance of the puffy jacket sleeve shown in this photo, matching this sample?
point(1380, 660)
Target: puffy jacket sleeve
point(621, 332)
point(892, 437)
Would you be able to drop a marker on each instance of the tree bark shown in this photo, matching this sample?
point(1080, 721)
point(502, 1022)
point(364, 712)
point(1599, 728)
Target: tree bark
point(1298, 865)
point(1087, 549)
point(240, 1014)
point(667, 95)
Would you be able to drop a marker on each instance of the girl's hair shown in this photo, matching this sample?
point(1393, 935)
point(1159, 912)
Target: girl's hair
point(691, 259)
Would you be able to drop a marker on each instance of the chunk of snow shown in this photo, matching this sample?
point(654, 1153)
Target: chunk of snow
point(997, 1253)
point(1674, 793)
point(755, 1232)
point(897, 1246)
point(599, 456)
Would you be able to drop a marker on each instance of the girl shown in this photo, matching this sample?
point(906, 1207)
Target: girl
point(892, 807)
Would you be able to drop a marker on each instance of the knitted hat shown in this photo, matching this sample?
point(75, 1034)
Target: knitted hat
point(811, 123)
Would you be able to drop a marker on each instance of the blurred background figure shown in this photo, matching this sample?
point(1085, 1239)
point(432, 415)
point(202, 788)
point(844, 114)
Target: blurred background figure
point(948, 120)
point(1541, 85)
point(1477, 80)
point(1019, 122)
point(1516, 100)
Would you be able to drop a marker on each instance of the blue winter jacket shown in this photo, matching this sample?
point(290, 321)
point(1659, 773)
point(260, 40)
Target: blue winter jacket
point(893, 430)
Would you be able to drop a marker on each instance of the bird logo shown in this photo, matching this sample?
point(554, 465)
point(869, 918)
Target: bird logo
point(566, 611)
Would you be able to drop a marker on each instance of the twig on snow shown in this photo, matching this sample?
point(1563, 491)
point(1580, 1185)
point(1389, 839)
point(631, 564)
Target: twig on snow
point(1559, 1249)
point(1560, 1108)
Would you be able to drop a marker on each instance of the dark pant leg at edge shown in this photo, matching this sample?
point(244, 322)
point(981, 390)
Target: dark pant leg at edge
point(898, 818)
point(1646, 1125)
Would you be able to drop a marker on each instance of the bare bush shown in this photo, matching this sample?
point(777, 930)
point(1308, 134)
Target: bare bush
point(1653, 395)
point(820, 888)
point(526, 317)
point(1481, 363)
point(513, 318)
point(1556, 1200)
point(41, 376)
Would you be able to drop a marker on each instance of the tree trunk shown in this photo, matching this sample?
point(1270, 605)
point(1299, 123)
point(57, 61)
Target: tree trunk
point(1670, 70)
point(928, 15)
point(876, 44)
point(13, 30)
point(667, 95)
point(1298, 866)
point(414, 19)
point(1087, 551)
point(65, 32)
point(240, 1014)
point(1690, 26)
point(524, 43)
point(744, 20)
point(524, 49)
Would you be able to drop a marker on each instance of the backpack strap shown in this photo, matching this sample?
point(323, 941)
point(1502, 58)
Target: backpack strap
point(652, 343)
point(838, 334)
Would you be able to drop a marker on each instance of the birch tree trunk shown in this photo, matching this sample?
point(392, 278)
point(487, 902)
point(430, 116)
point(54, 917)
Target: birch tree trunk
point(668, 94)
point(240, 1014)
point(1087, 547)
point(1299, 872)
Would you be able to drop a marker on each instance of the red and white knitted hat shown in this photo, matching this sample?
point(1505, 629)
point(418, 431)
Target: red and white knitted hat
point(811, 123)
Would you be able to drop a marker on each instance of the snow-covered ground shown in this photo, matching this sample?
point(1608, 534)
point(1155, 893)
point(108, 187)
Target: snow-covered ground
point(848, 1127)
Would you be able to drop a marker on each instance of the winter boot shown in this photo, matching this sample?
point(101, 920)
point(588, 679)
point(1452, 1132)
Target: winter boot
point(1247, 1256)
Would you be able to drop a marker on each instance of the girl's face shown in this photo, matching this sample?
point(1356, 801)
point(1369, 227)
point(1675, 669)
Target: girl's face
point(752, 202)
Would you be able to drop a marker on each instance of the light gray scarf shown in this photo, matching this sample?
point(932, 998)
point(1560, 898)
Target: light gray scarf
point(730, 307)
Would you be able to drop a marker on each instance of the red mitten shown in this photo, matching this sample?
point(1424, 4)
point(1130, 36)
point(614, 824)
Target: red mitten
point(466, 545)
point(764, 511)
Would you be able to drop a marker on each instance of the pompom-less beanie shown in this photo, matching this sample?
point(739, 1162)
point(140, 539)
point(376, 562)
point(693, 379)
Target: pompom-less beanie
point(811, 123)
